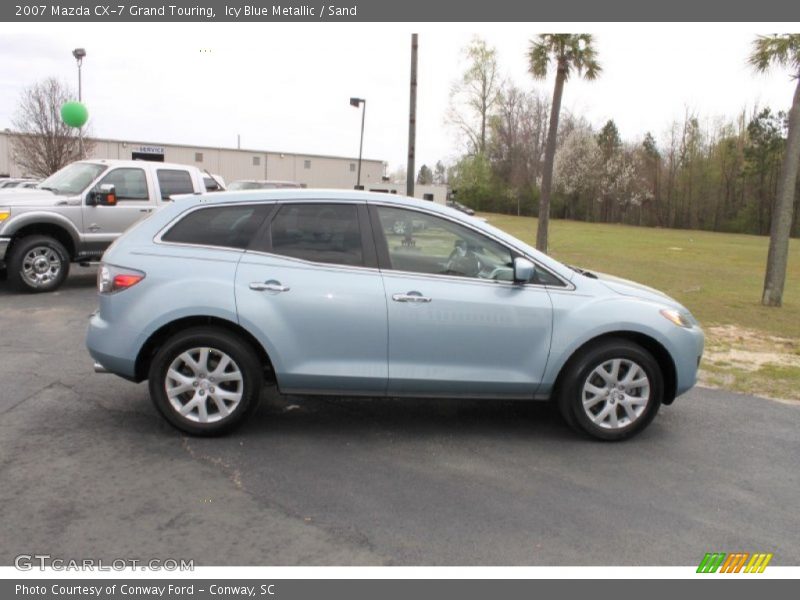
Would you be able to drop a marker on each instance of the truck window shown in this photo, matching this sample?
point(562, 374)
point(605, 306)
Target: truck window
point(130, 184)
point(173, 181)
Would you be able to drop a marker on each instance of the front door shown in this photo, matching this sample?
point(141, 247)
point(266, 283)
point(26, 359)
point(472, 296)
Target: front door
point(458, 325)
point(315, 298)
point(103, 224)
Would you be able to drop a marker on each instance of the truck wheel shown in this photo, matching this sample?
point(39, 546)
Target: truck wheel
point(38, 263)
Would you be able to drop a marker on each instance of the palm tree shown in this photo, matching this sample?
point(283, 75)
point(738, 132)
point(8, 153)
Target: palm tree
point(782, 50)
point(569, 52)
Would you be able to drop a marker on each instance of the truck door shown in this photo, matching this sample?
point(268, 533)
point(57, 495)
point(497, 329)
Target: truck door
point(135, 200)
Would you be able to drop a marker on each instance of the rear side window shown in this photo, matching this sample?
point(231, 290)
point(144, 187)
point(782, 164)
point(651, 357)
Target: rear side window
point(224, 226)
point(173, 181)
point(324, 233)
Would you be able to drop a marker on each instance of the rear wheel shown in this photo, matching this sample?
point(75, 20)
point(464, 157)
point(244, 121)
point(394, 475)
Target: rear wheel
point(612, 390)
point(38, 263)
point(205, 380)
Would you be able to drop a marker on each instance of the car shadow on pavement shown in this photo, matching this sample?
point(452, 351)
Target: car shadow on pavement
point(404, 417)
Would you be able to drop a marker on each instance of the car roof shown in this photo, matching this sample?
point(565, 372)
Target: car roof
point(277, 194)
point(281, 181)
point(115, 162)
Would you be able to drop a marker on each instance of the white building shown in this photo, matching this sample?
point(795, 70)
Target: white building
point(312, 170)
point(434, 193)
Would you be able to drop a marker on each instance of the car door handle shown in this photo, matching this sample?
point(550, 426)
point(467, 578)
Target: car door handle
point(269, 286)
point(410, 297)
point(145, 210)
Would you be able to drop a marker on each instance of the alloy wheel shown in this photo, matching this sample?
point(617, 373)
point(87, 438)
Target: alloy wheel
point(616, 393)
point(204, 385)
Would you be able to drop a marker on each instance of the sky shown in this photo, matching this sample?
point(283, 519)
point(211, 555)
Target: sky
point(286, 86)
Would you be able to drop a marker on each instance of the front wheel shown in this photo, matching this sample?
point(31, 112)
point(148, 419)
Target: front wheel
point(612, 390)
point(205, 380)
point(38, 263)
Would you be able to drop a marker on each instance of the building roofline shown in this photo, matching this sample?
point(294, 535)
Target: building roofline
point(202, 147)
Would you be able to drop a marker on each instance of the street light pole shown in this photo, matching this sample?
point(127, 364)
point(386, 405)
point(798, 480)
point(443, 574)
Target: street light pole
point(80, 54)
point(356, 102)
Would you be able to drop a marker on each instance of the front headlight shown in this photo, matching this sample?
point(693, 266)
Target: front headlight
point(679, 318)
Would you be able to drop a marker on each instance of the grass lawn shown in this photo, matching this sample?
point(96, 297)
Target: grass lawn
point(718, 276)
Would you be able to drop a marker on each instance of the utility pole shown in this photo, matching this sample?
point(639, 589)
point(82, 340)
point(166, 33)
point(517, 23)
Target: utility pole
point(412, 119)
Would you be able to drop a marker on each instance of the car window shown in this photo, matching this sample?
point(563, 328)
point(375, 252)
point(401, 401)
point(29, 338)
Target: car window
point(422, 243)
point(174, 181)
point(325, 233)
point(211, 185)
point(129, 184)
point(225, 226)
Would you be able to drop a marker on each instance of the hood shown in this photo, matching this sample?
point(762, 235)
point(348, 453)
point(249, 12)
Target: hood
point(626, 287)
point(31, 197)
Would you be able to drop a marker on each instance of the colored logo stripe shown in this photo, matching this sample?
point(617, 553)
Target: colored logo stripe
point(711, 562)
point(758, 563)
point(734, 562)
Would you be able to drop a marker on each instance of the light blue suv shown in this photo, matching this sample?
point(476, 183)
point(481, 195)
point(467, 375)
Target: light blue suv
point(345, 293)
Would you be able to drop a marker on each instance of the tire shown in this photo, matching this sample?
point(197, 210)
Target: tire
point(191, 383)
point(37, 263)
point(590, 397)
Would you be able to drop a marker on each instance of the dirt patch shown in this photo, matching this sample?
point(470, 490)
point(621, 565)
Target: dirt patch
point(749, 349)
point(750, 361)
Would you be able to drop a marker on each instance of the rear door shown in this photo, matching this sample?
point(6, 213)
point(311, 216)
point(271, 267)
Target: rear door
point(311, 292)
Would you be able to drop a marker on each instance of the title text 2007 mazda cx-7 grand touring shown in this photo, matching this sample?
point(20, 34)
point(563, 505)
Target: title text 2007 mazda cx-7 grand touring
point(336, 292)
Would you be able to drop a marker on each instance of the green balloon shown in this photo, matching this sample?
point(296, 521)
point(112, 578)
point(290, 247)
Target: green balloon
point(74, 114)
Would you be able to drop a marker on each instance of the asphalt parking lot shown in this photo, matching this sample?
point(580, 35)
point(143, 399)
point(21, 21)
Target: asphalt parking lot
point(88, 469)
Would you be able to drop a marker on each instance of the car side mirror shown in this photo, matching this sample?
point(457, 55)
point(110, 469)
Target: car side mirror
point(523, 270)
point(103, 195)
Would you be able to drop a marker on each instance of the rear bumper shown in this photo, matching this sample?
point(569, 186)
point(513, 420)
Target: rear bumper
point(111, 352)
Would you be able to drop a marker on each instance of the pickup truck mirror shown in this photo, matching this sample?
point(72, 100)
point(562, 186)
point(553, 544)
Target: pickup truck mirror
point(103, 195)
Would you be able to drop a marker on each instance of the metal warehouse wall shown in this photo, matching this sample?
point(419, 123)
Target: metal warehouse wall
point(6, 168)
point(233, 164)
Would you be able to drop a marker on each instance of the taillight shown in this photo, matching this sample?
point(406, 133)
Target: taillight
point(112, 279)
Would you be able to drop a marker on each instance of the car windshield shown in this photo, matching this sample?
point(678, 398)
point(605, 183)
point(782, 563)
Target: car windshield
point(72, 179)
point(247, 185)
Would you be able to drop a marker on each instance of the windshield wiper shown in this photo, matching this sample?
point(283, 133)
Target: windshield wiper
point(583, 272)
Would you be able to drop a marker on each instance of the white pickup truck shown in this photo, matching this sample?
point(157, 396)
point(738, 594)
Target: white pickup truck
point(76, 213)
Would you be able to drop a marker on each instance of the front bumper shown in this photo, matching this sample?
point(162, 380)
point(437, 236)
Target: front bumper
point(5, 242)
point(687, 352)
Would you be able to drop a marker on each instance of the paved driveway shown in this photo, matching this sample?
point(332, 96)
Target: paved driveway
point(87, 469)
